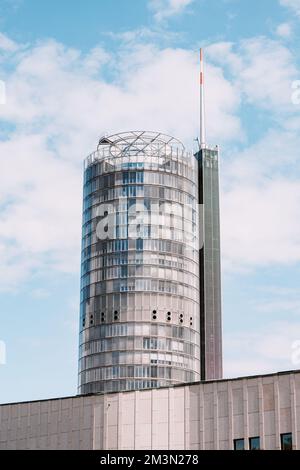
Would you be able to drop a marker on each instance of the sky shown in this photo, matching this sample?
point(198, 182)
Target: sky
point(74, 71)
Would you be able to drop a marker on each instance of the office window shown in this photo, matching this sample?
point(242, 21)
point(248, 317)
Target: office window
point(239, 444)
point(254, 443)
point(286, 441)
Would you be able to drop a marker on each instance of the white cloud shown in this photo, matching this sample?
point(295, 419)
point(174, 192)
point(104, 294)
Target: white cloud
point(293, 4)
point(164, 9)
point(284, 30)
point(282, 306)
point(40, 293)
point(261, 190)
point(6, 44)
point(261, 224)
point(40, 210)
point(262, 69)
point(269, 349)
point(260, 197)
point(256, 177)
point(158, 35)
point(96, 59)
point(261, 203)
point(278, 301)
point(16, 265)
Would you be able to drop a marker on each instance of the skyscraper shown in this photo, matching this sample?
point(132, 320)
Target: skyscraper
point(150, 312)
point(139, 322)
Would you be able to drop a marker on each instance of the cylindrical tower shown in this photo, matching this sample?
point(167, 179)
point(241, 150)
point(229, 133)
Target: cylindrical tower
point(139, 315)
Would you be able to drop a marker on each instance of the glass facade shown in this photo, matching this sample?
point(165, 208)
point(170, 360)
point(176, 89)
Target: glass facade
point(286, 441)
point(209, 265)
point(254, 443)
point(139, 311)
point(239, 444)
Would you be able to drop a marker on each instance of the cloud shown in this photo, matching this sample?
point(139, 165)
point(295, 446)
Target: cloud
point(269, 349)
point(260, 197)
point(40, 210)
point(284, 30)
point(260, 203)
point(278, 301)
point(40, 293)
point(147, 78)
point(6, 44)
point(262, 69)
point(157, 35)
point(164, 9)
point(282, 306)
point(96, 59)
point(259, 226)
point(293, 4)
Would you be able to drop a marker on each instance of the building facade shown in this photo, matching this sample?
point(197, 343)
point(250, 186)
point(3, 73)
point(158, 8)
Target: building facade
point(140, 291)
point(210, 264)
point(261, 412)
point(146, 284)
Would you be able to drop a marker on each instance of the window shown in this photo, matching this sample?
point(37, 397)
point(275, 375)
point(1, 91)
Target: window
point(239, 444)
point(286, 441)
point(139, 244)
point(254, 443)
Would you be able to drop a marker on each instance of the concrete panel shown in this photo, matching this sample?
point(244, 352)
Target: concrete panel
point(196, 416)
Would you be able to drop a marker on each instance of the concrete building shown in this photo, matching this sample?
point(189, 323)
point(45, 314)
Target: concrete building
point(259, 412)
point(150, 313)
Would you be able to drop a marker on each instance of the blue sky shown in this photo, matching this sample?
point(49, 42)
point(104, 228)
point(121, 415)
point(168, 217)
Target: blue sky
point(75, 70)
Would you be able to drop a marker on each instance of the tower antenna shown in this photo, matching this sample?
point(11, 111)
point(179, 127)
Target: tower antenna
point(202, 104)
